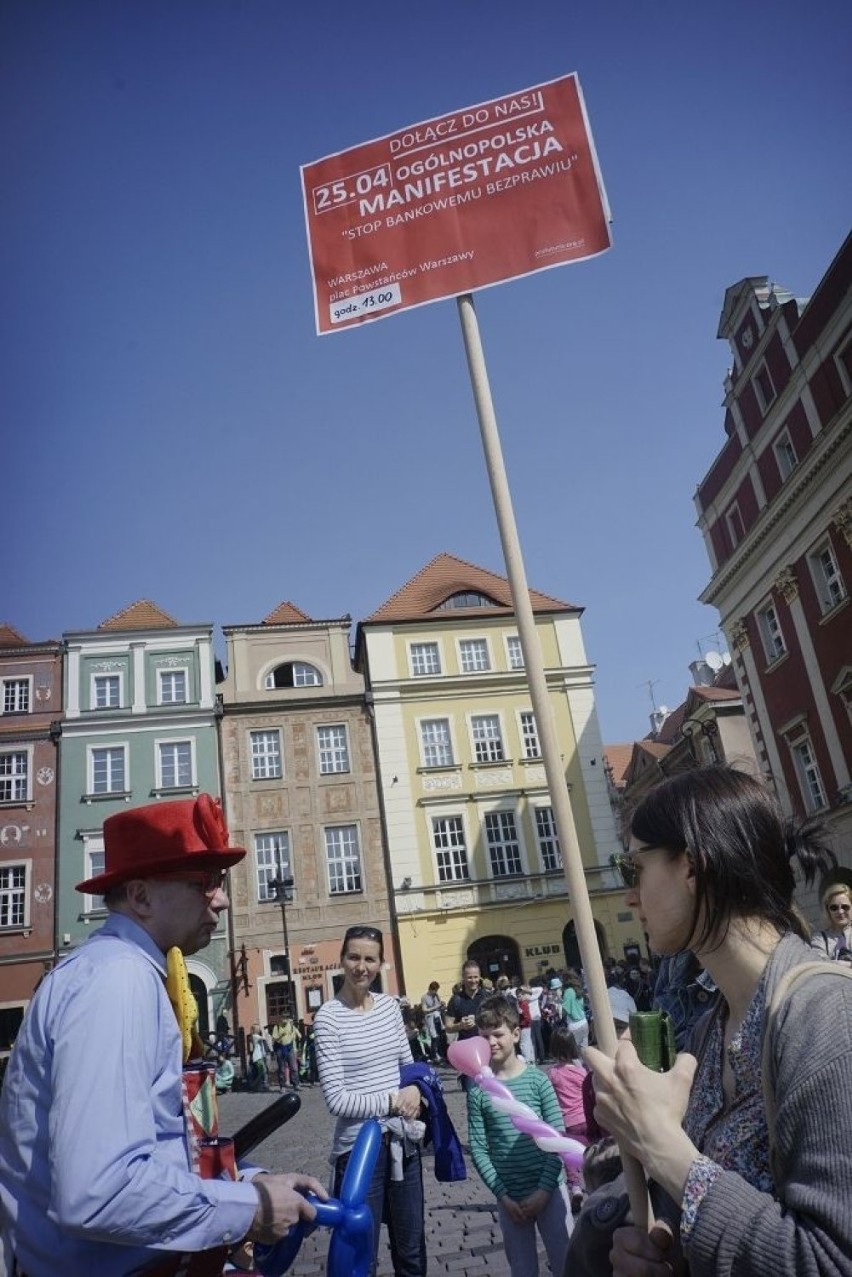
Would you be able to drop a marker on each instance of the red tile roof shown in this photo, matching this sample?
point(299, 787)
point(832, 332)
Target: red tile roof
point(286, 614)
point(141, 615)
point(715, 693)
point(618, 760)
point(446, 575)
point(10, 637)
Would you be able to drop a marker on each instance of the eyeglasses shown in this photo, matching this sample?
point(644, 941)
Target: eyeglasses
point(627, 867)
point(839, 908)
point(208, 882)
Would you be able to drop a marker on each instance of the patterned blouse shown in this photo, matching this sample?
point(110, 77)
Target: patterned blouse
point(735, 1138)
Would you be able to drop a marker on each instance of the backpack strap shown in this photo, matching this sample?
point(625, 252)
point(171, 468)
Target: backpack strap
point(782, 991)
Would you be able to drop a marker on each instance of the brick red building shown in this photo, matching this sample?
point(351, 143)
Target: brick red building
point(30, 701)
point(775, 510)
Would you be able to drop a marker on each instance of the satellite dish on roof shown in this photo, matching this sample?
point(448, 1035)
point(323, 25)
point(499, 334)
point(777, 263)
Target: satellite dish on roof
point(714, 660)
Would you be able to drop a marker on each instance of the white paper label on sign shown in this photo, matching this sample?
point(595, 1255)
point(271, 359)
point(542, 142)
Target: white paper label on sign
point(365, 303)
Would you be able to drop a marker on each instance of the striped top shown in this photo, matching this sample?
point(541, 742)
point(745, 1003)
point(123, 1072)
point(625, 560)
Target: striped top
point(512, 1164)
point(359, 1055)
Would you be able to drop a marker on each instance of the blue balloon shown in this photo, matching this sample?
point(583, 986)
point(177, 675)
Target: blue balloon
point(351, 1250)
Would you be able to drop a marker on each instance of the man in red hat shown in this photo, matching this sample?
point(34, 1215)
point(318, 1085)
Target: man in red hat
point(95, 1174)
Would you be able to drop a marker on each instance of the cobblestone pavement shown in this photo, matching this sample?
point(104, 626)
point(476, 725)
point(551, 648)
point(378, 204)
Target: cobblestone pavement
point(462, 1233)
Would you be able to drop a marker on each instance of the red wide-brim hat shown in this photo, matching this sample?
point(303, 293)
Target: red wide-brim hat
point(164, 838)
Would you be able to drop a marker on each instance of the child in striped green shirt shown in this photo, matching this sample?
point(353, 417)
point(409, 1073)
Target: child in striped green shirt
point(528, 1183)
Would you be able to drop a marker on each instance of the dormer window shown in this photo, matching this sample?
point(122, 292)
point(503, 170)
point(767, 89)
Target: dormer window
point(293, 674)
point(466, 598)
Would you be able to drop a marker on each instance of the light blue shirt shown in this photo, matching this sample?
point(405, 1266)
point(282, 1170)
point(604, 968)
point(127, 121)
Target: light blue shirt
point(94, 1167)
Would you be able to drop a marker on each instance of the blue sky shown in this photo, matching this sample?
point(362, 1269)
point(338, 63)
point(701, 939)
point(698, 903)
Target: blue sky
point(175, 430)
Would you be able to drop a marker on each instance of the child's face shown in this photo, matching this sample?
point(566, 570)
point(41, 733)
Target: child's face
point(501, 1042)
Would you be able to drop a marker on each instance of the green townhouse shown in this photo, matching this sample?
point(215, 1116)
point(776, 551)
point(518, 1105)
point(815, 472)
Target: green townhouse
point(140, 726)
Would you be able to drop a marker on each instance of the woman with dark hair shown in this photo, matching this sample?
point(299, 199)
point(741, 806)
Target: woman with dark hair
point(751, 1140)
point(361, 1043)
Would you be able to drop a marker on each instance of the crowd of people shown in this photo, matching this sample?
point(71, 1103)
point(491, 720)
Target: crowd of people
point(744, 1139)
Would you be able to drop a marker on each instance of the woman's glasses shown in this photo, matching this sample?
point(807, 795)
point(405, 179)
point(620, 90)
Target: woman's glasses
point(840, 908)
point(627, 867)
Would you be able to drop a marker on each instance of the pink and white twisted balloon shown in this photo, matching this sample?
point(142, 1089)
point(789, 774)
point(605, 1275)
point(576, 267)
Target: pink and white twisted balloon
point(470, 1056)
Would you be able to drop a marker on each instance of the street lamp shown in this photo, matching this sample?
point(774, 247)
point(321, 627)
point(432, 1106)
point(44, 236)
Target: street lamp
point(283, 887)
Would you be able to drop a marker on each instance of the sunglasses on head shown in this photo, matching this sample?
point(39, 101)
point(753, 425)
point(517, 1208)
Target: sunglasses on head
point(363, 933)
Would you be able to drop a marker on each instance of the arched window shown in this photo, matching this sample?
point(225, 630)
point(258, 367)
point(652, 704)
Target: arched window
point(466, 598)
point(293, 674)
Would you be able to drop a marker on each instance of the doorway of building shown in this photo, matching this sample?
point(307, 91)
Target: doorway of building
point(571, 945)
point(199, 992)
point(496, 955)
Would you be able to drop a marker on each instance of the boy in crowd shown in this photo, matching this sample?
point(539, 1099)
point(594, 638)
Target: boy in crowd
point(528, 1183)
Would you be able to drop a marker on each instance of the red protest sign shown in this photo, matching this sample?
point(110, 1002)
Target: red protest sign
point(453, 204)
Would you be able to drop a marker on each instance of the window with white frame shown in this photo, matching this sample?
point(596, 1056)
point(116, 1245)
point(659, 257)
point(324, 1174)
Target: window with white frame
point(770, 632)
point(271, 857)
point(14, 775)
point(785, 455)
point(266, 754)
point(504, 850)
point(529, 735)
point(515, 652)
point(436, 743)
point(808, 773)
point(108, 770)
point(548, 839)
point(173, 687)
point(734, 520)
point(473, 655)
point(333, 749)
point(843, 360)
point(487, 738)
point(13, 895)
point(425, 658)
point(17, 695)
point(174, 764)
point(825, 570)
point(764, 388)
point(293, 674)
point(94, 862)
point(343, 859)
point(450, 849)
point(106, 691)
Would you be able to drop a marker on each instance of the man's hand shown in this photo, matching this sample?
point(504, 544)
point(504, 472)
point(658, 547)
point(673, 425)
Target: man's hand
point(281, 1205)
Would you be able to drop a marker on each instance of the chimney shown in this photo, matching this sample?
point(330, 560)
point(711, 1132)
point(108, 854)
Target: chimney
point(702, 673)
point(658, 717)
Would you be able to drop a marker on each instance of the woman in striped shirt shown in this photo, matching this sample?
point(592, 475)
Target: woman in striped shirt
point(361, 1045)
